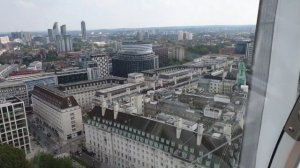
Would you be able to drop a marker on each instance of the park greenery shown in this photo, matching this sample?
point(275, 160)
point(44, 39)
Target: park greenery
point(205, 49)
point(11, 157)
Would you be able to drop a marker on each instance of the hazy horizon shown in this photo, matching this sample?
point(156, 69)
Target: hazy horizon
point(38, 16)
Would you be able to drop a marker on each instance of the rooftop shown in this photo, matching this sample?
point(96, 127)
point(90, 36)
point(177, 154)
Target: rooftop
point(54, 96)
point(63, 86)
point(164, 135)
point(119, 87)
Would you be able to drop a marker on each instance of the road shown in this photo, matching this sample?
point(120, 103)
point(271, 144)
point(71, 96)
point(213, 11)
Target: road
point(53, 144)
point(91, 161)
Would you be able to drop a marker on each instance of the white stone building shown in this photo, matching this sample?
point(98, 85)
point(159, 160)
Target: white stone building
point(123, 140)
point(220, 86)
point(13, 124)
point(84, 91)
point(127, 95)
point(58, 110)
point(36, 65)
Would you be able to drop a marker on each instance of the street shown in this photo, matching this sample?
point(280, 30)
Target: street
point(51, 142)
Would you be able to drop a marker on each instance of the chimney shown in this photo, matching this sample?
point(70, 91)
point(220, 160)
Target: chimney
point(160, 82)
point(227, 133)
point(175, 80)
point(139, 88)
point(109, 97)
point(199, 133)
point(128, 90)
point(179, 128)
point(116, 109)
point(103, 107)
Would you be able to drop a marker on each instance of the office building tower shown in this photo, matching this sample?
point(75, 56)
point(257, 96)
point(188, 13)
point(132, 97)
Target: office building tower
point(180, 36)
point(249, 53)
point(83, 30)
point(134, 57)
point(146, 35)
point(55, 30)
point(50, 35)
point(24, 36)
point(140, 36)
point(102, 62)
point(241, 75)
point(13, 124)
point(59, 110)
point(241, 46)
point(93, 71)
point(63, 30)
point(177, 53)
point(64, 43)
point(189, 36)
point(71, 76)
point(162, 53)
point(16, 35)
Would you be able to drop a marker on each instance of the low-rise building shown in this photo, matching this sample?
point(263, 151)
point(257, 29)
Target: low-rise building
point(59, 110)
point(115, 93)
point(6, 69)
point(84, 91)
point(13, 124)
point(73, 75)
point(36, 65)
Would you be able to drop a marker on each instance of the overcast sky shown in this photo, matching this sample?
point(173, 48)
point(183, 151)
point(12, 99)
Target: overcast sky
point(39, 15)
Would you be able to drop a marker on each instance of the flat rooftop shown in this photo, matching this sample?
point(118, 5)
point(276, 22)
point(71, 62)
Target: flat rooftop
point(119, 87)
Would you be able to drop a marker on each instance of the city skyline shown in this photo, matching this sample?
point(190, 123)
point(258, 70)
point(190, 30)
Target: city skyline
point(119, 14)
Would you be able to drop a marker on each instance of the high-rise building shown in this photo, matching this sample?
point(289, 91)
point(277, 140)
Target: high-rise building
point(241, 46)
point(64, 43)
point(102, 62)
point(189, 36)
point(162, 53)
point(134, 57)
point(146, 35)
point(63, 30)
point(50, 35)
point(24, 36)
point(140, 35)
point(97, 65)
point(59, 110)
point(241, 75)
point(177, 53)
point(249, 53)
point(13, 124)
point(55, 30)
point(180, 35)
point(83, 31)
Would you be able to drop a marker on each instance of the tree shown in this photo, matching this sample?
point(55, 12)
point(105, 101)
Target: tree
point(44, 160)
point(11, 157)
